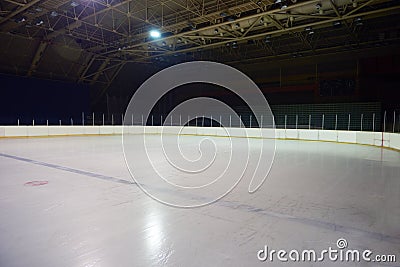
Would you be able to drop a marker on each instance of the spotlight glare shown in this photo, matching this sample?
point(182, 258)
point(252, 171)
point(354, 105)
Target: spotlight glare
point(74, 4)
point(155, 34)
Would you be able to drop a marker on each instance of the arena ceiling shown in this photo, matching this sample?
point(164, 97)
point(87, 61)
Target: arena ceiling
point(91, 40)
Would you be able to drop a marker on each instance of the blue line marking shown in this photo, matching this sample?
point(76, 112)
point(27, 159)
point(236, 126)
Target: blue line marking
point(67, 169)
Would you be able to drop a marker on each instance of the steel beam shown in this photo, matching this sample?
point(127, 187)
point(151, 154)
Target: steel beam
point(15, 2)
point(101, 68)
point(37, 57)
point(292, 29)
point(107, 86)
point(19, 10)
point(193, 32)
point(86, 68)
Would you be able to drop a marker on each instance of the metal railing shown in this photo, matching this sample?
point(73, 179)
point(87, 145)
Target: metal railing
point(349, 122)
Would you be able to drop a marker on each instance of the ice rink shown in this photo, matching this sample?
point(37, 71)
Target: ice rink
point(70, 201)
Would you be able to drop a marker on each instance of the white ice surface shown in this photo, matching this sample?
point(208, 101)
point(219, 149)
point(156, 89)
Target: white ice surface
point(90, 213)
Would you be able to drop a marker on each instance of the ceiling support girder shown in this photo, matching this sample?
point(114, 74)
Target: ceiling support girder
point(270, 12)
point(33, 16)
point(86, 69)
point(18, 11)
point(292, 29)
point(100, 70)
point(15, 2)
point(334, 7)
point(37, 57)
point(358, 8)
point(108, 84)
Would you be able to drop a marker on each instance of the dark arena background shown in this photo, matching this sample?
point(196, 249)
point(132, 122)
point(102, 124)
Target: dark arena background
point(77, 190)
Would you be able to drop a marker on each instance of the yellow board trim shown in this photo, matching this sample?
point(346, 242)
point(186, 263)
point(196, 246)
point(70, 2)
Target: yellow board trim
point(211, 135)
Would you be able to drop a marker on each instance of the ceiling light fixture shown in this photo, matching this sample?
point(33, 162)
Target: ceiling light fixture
point(23, 19)
point(155, 34)
point(74, 4)
point(192, 26)
point(358, 21)
point(309, 30)
point(337, 24)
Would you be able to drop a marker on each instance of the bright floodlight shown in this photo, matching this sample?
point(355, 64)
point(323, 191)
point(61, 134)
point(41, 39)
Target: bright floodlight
point(155, 34)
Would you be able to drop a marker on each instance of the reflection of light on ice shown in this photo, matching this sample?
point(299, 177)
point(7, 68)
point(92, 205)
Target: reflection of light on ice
point(155, 238)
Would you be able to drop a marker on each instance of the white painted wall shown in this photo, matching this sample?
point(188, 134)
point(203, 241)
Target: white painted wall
point(91, 130)
point(292, 134)
point(347, 136)
point(57, 130)
point(280, 133)
point(379, 137)
point(151, 129)
point(308, 134)
point(394, 140)
point(11, 131)
point(391, 140)
point(327, 135)
point(38, 130)
point(253, 132)
point(133, 129)
point(237, 131)
point(365, 138)
point(221, 132)
point(189, 130)
point(106, 129)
